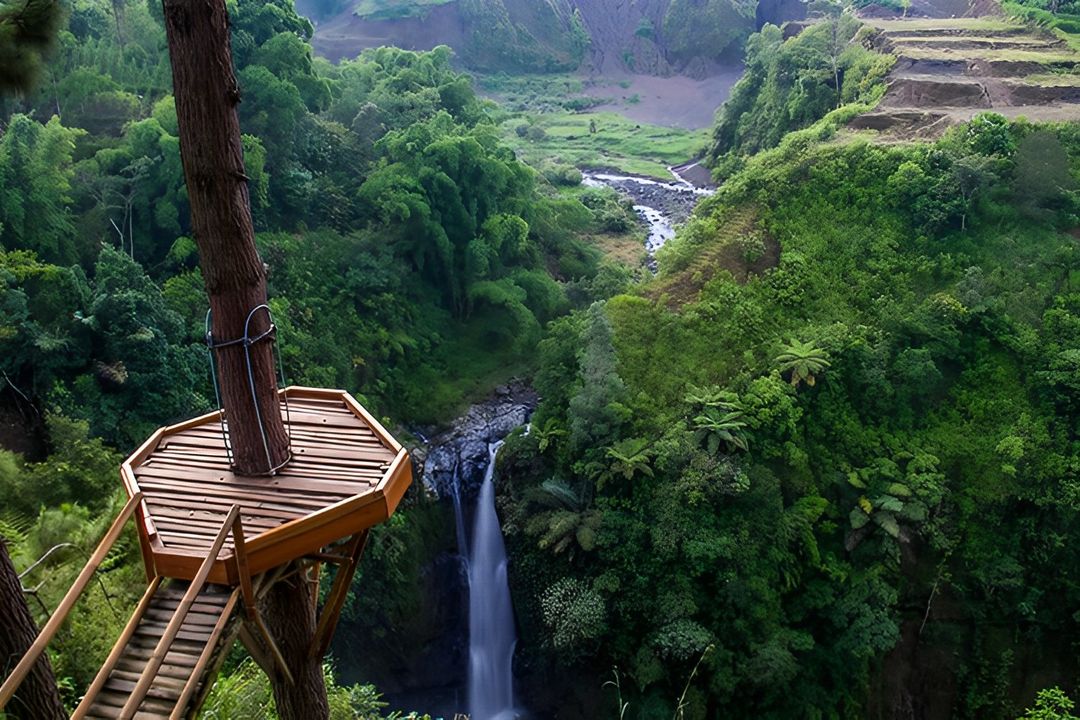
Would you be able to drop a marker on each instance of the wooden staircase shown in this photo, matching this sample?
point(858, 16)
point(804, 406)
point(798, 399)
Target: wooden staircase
point(190, 664)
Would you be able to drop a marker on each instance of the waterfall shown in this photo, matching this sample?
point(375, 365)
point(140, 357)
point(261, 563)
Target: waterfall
point(491, 616)
point(459, 521)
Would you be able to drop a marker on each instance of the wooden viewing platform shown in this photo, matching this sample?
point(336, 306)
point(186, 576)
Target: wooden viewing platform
point(347, 474)
point(214, 541)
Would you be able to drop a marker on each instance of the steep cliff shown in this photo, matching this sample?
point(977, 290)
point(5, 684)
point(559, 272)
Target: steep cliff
point(655, 37)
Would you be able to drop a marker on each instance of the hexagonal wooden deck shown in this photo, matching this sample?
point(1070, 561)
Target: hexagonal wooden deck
point(346, 475)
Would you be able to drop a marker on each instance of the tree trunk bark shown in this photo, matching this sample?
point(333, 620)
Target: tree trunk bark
point(38, 697)
point(212, 154)
point(289, 612)
point(213, 158)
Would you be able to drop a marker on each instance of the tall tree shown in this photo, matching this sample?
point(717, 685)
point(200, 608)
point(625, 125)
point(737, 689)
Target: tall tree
point(206, 91)
point(37, 697)
point(27, 30)
point(212, 154)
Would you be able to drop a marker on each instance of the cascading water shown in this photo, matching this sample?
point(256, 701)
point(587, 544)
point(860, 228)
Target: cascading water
point(491, 616)
point(661, 205)
point(466, 669)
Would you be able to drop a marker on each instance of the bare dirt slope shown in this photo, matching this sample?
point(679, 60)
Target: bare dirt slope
point(696, 38)
point(950, 69)
point(676, 101)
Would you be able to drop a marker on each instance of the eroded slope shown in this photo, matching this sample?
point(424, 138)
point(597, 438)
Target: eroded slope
point(949, 70)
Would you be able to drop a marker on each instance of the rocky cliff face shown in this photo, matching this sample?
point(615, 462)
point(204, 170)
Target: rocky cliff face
point(654, 37)
point(459, 456)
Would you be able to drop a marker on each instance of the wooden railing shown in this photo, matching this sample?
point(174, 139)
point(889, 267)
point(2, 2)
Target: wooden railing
point(37, 649)
point(269, 656)
point(149, 673)
point(231, 524)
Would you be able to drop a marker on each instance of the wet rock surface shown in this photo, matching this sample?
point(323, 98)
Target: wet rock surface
point(675, 200)
point(461, 453)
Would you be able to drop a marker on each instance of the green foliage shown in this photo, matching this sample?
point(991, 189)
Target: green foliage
point(378, 166)
point(596, 411)
point(35, 186)
point(245, 692)
point(540, 36)
point(389, 9)
point(27, 33)
point(81, 469)
point(798, 531)
point(712, 29)
point(802, 362)
point(791, 84)
point(1051, 704)
point(574, 615)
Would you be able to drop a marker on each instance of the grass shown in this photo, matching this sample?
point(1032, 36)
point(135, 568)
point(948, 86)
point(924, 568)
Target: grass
point(1044, 58)
point(1028, 40)
point(463, 370)
point(391, 9)
point(685, 269)
point(625, 249)
point(538, 93)
point(1054, 79)
point(618, 143)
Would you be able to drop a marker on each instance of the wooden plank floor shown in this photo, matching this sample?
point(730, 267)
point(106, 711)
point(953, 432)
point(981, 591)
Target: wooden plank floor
point(180, 661)
point(189, 487)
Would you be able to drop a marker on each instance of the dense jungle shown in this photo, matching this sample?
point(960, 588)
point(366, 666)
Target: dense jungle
point(777, 410)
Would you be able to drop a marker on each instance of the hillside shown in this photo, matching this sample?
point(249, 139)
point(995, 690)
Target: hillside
point(949, 70)
point(900, 75)
point(655, 37)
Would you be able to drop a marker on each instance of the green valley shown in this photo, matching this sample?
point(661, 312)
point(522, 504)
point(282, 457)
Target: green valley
point(772, 417)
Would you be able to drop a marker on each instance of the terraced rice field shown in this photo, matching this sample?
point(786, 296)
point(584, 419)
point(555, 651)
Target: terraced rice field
point(949, 70)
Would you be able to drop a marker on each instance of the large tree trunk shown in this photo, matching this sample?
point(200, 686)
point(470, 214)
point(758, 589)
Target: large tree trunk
point(213, 158)
point(289, 612)
point(37, 698)
point(210, 147)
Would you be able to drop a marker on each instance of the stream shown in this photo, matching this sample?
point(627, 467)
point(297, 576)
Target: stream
point(662, 206)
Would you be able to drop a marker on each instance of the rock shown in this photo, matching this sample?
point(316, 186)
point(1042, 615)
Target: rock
point(458, 457)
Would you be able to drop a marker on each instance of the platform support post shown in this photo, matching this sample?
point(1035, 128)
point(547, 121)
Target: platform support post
point(338, 594)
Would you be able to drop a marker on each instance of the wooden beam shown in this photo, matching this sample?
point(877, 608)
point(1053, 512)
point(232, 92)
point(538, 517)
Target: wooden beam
point(204, 658)
point(338, 594)
point(243, 571)
point(376, 427)
point(117, 651)
point(171, 630)
point(255, 649)
point(275, 652)
point(7, 690)
point(147, 553)
point(315, 570)
point(397, 480)
point(322, 557)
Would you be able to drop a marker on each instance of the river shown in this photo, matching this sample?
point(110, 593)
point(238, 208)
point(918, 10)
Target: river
point(662, 206)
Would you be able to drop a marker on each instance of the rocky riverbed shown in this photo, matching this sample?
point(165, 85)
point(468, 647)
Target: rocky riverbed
point(662, 206)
